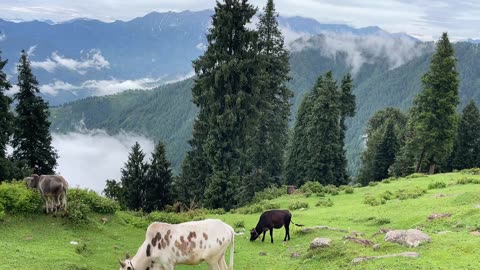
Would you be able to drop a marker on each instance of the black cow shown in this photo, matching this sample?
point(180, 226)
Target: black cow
point(272, 219)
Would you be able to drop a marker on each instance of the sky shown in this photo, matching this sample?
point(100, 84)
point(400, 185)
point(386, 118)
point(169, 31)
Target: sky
point(425, 19)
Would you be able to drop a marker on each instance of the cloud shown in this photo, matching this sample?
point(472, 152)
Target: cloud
point(53, 88)
point(15, 89)
point(31, 50)
point(113, 86)
point(92, 60)
point(359, 50)
point(87, 159)
point(3, 36)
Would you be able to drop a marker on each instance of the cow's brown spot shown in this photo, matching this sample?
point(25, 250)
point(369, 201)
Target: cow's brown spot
point(223, 239)
point(167, 237)
point(178, 254)
point(148, 250)
point(191, 235)
point(156, 239)
point(205, 236)
point(164, 244)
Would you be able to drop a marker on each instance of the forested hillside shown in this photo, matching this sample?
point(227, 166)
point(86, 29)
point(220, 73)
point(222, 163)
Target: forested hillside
point(381, 79)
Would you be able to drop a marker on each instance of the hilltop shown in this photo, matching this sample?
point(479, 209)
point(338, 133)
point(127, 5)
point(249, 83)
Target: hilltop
point(40, 242)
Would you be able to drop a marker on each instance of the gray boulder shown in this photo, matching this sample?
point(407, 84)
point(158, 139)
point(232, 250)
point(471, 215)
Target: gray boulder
point(408, 238)
point(320, 243)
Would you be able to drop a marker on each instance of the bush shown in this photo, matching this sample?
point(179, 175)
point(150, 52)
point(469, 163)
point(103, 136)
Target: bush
point(325, 202)
point(298, 205)
point(311, 187)
point(219, 211)
point(239, 224)
point(95, 202)
point(437, 185)
point(372, 183)
point(308, 194)
point(332, 190)
point(413, 193)
point(349, 190)
point(386, 195)
point(2, 212)
point(465, 180)
point(172, 218)
point(373, 201)
point(16, 198)
point(473, 171)
point(415, 175)
point(78, 211)
point(269, 193)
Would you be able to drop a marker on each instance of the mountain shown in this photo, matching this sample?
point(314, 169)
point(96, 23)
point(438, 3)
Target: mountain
point(84, 57)
point(387, 72)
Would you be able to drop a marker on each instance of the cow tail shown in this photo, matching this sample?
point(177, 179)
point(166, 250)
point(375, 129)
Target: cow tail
point(232, 250)
point(299, 225)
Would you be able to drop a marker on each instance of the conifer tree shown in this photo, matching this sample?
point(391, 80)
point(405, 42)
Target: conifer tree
point(158, 181)
point(435, 106)
point(226, 91)
point(133, 178)
point(271, 132)
point(6, 121)
point(32, 141)
point(467, 144)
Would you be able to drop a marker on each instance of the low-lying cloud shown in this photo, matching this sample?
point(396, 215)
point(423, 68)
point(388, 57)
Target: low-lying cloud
point(88, 159)
point(92, 60)
point(359, 50)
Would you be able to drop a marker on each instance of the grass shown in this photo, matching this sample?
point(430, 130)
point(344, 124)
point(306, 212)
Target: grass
point(43, 242)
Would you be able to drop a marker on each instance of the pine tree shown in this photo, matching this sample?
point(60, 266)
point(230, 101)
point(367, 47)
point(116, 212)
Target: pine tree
point(466, 152)
point(158, 181)
point(385, 135)
point(271, 133)
point(133, 179)
point(226, 91)
point(435, 118)
point(32, 141)
point(6, 121)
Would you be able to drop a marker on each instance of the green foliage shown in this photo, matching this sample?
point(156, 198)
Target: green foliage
point(16, 198)
point(349, 190)
point(382, 221)
point(415, 175)
point(372, 184)
point(466, 180)
point(311, 187)
point(325, 202)
point(386, 195)
point(78, 211)
point(473, 171)
point(466, 152)
point(239, 224)
point(258, 207)
point(172, 218)
point(269, 193)
point(6, 121)
point(298, 205)
point(437, 185)
point(411, 193)
point(32, 141)
point(331, 189)
point(2, 212)
point(133, 178)
point(92, 201)
point(373, 201)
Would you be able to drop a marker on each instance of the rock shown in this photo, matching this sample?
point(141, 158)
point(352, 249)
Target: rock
point(361, 241)
point(376, 247)
point(263, 253)
point(320, 243)
point(475, 233)
point(408, 238)
point(437, 216)
point(295, 255)
point(104, 220)
point(476, 206)
point(73, 243)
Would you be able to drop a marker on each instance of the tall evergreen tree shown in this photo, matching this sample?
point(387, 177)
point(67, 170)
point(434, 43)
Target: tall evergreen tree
point(158, 181)
point(6, 121)
point(133, 179)
point(271, 132)
point(466, 152)
point(385, 135)
point(32, 141)
point(226, 91)
point(435, 117)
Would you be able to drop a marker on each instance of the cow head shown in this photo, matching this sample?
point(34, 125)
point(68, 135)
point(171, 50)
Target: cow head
point(253, 234)
point(32, 181)
point(127, 264)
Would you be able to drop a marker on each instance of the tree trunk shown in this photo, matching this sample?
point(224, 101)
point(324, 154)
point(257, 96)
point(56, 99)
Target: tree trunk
point(432, 169)
point(420, 161)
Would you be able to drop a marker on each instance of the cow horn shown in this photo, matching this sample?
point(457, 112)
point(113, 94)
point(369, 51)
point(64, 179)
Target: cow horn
point(122, 264)
point(127, 256)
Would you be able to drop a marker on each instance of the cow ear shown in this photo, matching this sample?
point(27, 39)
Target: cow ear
point(127, 256)
point(122, 264)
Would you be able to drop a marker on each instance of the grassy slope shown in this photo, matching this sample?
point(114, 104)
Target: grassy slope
point(43, 242)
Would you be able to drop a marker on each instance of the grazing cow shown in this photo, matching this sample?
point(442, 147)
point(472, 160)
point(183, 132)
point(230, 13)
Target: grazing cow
point(53, 187)
point(167, 245)
point(272, 219)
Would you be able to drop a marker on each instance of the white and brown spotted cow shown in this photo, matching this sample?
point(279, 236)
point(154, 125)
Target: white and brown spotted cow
point(167, 245)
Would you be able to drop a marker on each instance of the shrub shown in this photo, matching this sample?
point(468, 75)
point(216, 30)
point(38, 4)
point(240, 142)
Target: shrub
point(415, 175)
point(465, 180)
point(386, 195)
point(78, 211)
point(413, 193)
point(373, 201)
point(472, 171)
point(95, 202)
point(349, 190)
point(2, 212)
point(325, 202)
point(311, 187)
point(372, 183)
point(437, 185)
point(297, 205)
point(270, 205)
point(382, 221)
point(269, 193)
point(16, 198)
point(239, 224)
point(218, 211)
point(308, 194)
point(332, 190)
point(172, 218)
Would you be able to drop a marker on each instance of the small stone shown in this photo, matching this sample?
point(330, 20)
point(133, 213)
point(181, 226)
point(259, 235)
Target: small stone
point(408, 238)
point(295, 255)
point(320, 243)
point(476, 206)
point(263, 253)
point(475, 233)
point(73, 243)
point(376, 247)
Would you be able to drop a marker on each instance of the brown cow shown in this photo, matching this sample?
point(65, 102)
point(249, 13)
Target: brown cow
point(273, 219)
point(53, 187)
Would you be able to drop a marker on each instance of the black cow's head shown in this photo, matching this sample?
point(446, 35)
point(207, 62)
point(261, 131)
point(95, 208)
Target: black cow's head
point(253, 234)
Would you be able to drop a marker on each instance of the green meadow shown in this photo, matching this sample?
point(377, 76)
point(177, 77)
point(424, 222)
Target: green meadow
point(44, 242)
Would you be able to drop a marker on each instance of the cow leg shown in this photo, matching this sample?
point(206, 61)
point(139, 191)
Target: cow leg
point(263, 238)
point(287, 233)
point(222, 263)
point(271, 235)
